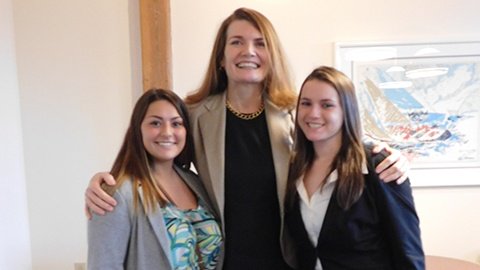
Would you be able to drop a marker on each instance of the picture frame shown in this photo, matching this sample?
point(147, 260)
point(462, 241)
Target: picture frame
point(421, 98)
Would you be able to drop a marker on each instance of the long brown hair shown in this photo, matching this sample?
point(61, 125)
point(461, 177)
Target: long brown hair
point(277, 84)
point(351, 156)
point(134, 163)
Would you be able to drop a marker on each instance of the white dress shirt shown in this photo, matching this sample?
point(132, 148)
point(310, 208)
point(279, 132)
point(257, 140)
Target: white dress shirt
point(314, 209)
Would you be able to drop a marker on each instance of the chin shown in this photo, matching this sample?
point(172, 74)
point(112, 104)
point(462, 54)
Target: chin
point(316, 138)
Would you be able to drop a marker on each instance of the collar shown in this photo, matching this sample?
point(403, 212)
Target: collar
point(332, 178)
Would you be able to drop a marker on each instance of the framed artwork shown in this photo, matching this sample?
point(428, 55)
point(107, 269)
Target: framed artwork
point(420, 98)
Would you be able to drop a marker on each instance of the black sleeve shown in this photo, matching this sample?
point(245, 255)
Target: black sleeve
point(400, 221)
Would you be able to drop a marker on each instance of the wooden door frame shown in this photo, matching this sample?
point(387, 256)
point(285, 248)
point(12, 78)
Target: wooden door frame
point(156, 44)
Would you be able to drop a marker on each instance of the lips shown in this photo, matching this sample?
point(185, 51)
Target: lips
point(247, 65)
point(165, 143)
point(315, 125)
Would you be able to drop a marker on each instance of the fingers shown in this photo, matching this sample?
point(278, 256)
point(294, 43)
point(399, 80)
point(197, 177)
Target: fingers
point(394, 167)
point(402, 179)
point(99, 201)
point(103, 177)
point(88, 214)
point(378, 147)
point(96, 199)
point(95, 192)
point(405, 168)
point(390, 174)
point(92, 206)
point(387, 163)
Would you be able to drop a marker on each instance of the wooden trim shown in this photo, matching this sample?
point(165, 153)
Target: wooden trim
point(156, 44)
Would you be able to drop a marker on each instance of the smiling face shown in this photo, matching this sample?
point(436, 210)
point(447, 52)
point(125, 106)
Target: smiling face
point(320, 114)
point(245, 57)
point(163, 132)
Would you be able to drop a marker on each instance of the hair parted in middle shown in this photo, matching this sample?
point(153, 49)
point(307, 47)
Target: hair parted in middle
point(351, 156)
point(135, 163)
point(278, 84)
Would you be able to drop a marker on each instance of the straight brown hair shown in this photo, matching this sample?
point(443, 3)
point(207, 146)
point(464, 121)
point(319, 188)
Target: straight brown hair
point(134, 163)
point(351, 156)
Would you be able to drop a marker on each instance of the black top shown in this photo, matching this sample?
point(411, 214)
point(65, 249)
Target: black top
point(252, 213)
point(379, 231)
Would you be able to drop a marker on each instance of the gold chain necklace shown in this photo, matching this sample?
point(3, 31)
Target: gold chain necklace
point(245, 116)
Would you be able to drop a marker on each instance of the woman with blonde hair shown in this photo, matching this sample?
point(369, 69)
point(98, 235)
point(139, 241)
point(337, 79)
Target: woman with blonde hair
point(242, 121)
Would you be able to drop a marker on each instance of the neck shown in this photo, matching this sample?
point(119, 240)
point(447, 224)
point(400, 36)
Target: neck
point(245, 99)
point(328, 150)
point(163, 171)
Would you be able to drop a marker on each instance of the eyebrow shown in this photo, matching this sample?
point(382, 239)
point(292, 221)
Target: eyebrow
point(242, 37)
point(323, 99)
point(161, 118)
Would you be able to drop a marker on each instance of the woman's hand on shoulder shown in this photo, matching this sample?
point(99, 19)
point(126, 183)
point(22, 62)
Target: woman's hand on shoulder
point(96, 199)
point(394, 167)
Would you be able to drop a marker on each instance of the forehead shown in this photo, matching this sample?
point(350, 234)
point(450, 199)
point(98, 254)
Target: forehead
point(162, 107)
point(316, 89)
point(242, 28)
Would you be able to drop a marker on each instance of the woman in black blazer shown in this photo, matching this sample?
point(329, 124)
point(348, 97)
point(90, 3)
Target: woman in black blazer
point(337, 211)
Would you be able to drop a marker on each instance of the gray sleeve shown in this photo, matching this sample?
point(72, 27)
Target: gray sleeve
point(108, 236)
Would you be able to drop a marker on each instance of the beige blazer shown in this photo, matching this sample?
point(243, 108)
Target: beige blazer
point(208, 121)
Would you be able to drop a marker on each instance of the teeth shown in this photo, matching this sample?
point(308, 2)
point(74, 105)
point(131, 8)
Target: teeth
point(165, 143)
point(314, 125)
point(247, 65)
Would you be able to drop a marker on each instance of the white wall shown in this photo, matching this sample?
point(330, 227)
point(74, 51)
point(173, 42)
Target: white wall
point(449, 216)
point(78, 60)
point(75, 80)
point(14, 238)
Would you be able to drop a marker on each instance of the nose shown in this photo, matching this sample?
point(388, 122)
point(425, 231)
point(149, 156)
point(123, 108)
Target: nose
point(166, 130)
point(314, 111)
point(249, 49)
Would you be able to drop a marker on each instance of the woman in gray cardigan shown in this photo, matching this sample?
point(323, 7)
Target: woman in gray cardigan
point(164, 218)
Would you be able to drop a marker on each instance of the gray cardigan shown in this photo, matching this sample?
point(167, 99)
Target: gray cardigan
point(122, 240)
